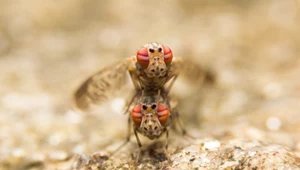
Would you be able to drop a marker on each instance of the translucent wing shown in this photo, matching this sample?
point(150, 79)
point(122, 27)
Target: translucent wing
point(192, 72)
point(99, 87)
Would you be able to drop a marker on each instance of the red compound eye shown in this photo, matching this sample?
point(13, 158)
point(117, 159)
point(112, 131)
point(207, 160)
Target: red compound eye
point(163, 113)
point(136, 114)
point(142, 57)
point(168, 54)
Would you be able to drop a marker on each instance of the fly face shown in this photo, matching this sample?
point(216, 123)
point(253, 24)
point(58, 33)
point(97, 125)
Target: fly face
point(154, 58)
point(150, 125)
point(150, 119)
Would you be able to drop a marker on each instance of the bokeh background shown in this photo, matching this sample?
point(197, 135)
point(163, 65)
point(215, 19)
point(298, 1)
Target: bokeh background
point(47, 48)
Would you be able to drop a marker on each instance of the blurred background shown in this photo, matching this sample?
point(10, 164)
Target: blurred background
point(47, 48)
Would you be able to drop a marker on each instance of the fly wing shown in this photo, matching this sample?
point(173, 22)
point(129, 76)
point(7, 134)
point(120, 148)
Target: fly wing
point(191, 80)
point(99, 87)
point(192, 72)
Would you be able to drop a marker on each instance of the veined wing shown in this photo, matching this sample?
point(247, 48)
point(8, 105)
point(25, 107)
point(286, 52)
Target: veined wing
point(100, 86)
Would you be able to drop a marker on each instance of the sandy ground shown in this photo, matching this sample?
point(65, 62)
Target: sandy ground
point(47, 48)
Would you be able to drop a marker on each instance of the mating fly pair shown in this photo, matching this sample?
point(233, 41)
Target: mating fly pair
point(153, 71)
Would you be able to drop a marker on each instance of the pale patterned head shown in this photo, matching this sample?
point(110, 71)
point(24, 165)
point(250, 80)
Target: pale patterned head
point(150, 118)
point(155, 59)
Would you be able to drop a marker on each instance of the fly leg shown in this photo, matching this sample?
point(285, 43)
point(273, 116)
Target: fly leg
point(137, 87)
point(134, 78)
point(127, 138)
point(140, 146)
point(130, 102)
point(179, 122)
point(176, 116)
point(172, 80)
point(166, 146)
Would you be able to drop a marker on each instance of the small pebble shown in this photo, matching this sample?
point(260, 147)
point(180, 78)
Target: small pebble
point(211, 145)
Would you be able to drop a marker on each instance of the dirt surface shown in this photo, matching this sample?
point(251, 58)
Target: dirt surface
point(247, 119)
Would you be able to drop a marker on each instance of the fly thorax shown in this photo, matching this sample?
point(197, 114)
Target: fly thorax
point(151, 126)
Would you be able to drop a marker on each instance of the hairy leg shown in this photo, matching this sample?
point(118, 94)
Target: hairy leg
point(178, 121)
point(140, 146)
